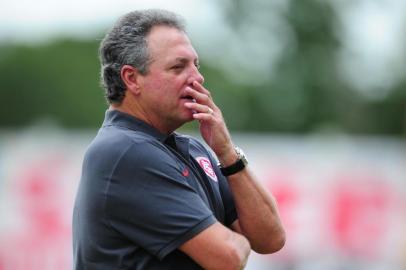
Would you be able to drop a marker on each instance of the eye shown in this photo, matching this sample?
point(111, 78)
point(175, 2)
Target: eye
point(177, 66)
point(197, 65)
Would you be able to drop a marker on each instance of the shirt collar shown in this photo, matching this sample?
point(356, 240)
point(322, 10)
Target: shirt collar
point(121, 119)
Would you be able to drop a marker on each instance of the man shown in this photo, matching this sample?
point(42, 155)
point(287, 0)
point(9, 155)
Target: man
point(150, 198)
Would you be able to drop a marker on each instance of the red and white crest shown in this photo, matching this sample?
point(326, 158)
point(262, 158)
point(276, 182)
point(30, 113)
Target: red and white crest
point(205, 163)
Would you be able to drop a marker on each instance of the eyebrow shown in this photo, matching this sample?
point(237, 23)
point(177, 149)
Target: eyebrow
point(185, 60)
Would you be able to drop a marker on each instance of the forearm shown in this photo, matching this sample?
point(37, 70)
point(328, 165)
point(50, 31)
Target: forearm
point(243, 250)
point(257, 212)
point(218, 248)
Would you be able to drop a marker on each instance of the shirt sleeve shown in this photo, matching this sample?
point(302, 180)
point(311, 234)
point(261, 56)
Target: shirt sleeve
point(149, 201)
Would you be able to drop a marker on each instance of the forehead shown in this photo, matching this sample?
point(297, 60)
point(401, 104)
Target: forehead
point(168, 43)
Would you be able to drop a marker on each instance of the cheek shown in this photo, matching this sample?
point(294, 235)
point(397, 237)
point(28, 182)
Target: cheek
point(170, 87)
point(164, 87)
point(154, 85)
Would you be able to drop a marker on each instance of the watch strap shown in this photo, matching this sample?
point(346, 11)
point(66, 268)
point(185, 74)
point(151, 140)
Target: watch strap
point(238, 166)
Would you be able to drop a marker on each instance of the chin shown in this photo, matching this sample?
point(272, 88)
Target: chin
point(188, 119)
point(188, 115)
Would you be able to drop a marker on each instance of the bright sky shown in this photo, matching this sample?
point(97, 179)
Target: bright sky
point(372, 58)
point(27, 20)
point(374, 54)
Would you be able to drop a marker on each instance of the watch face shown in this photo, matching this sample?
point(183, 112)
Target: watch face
point(241, 155)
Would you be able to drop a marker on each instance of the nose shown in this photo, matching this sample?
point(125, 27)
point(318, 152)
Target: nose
point(196, 76)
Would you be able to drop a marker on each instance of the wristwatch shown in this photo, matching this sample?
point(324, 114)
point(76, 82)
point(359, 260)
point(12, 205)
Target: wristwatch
point(238, 166)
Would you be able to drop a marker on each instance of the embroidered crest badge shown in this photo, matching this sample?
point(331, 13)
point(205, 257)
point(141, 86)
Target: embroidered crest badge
point(205, 163)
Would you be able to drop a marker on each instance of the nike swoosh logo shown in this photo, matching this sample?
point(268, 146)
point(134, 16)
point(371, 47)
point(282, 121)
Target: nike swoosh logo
point(185, 172)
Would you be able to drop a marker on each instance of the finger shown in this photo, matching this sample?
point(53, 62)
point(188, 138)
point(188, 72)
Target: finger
point(199, 87)
point(203, 116)
point(199, 108)
point(200, 97)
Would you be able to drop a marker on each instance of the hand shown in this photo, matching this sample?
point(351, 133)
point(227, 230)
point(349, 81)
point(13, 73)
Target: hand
point(212, 125)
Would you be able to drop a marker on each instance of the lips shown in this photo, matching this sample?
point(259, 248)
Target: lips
point(187, 97)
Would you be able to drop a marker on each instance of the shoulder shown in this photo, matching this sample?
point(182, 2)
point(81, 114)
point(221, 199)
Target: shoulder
point(199, 149)
point(197, 145)
point(113, 144)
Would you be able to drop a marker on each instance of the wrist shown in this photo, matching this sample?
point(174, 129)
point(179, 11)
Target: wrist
point(238, 165)
point(228, 157)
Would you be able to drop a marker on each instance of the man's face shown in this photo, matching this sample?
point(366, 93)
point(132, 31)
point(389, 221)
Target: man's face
point(174, 66)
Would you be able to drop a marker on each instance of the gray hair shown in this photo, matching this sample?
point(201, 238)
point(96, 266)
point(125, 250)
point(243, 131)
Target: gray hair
point(126, 44)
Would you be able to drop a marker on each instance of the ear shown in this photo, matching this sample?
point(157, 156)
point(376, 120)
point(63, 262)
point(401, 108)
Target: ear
point(131, 78)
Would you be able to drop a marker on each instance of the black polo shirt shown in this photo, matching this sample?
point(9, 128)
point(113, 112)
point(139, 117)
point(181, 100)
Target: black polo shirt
point(142, 194)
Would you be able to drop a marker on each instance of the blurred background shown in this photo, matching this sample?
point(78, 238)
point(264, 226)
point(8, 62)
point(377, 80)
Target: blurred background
point(313, 91)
